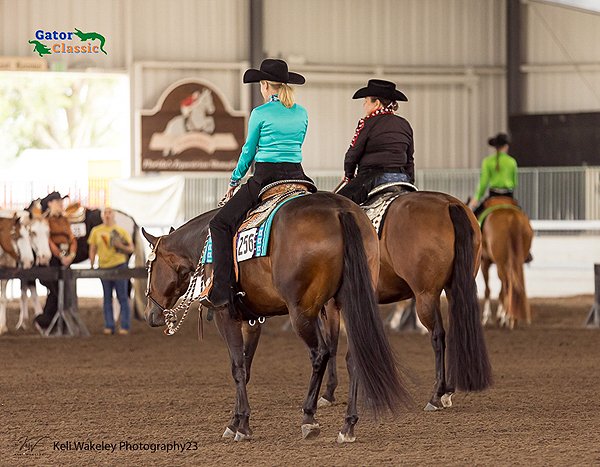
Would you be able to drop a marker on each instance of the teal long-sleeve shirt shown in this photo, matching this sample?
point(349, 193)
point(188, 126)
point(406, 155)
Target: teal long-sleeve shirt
point(504, 177)
point(275, 134)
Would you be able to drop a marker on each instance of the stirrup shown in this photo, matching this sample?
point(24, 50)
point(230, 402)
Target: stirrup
point(205, 301)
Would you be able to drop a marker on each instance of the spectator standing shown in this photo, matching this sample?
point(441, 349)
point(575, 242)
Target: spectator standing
point(113, 245)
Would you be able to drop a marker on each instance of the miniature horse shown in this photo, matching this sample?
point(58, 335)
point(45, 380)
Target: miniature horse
point(431, 242)
point(322, 246)
point(507, 236)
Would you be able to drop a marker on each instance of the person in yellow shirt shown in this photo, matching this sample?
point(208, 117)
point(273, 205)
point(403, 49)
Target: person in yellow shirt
point(113, 246)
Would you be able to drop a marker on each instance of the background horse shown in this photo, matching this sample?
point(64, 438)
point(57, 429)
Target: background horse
point(83, 220)
point(15, 250)
point(322, 246)
point(507, 236)
point(431, 242)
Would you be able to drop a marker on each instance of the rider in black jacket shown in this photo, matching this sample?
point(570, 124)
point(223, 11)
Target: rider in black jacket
point(382, 143)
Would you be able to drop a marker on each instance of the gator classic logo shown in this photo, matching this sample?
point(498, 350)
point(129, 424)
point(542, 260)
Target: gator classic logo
point(63, 46)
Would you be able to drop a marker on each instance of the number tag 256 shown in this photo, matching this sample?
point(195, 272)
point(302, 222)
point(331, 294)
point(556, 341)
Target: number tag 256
point(246, 244)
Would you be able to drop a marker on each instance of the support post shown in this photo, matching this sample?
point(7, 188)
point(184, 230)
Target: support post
point(257, 53)
point(593, 319)
point(514, 77)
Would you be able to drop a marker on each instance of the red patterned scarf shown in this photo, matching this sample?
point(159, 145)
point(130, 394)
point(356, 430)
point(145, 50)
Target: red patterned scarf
point(361, 122)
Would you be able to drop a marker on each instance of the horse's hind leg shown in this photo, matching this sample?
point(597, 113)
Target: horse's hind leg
point(428, 309)
point(346, 434)
point(331, 326)
point(35, 300)
point(237, 346)
point(308, 330)
point(487, 308)
point(3, 305)
point(24, 309)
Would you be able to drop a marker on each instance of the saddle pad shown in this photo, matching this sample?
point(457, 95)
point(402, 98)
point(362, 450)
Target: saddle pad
point(252, 237)
point(376, 208)
point(484, 214)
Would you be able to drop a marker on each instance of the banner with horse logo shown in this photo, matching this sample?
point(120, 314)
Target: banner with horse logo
point(192, 128)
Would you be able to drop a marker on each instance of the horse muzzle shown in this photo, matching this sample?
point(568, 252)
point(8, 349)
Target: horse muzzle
point(154, 316)
point(42, 260)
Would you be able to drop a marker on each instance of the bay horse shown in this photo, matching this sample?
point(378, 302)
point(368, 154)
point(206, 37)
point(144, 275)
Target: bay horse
point(507, 236)
point(431, 242)
point(322, 246)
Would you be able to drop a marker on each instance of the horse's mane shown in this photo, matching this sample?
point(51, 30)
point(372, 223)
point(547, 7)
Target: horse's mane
point(190, 237)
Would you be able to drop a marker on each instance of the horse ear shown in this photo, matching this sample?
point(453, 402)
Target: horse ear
point(172, 230)
point(151, 238)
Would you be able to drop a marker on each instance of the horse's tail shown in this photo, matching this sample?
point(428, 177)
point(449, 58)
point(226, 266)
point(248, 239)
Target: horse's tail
point(468, 362)
point(518, 305)
point(372, 356)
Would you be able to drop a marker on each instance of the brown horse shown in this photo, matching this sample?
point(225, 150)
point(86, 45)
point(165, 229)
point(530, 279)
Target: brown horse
point(431, 242)
point(321, 246)
point(507, 236)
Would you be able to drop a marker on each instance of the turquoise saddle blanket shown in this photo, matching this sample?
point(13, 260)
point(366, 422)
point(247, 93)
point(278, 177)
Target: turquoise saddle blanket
point(252, 238)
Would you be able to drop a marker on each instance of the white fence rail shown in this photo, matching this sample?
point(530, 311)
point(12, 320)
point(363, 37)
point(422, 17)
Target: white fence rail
point(552, 194)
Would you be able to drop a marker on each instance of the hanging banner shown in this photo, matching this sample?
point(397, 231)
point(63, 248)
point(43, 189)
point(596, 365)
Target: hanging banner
point(192, 128)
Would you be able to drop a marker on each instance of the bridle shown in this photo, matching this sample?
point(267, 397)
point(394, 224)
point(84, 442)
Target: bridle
point(151, 258)
point(188, 297)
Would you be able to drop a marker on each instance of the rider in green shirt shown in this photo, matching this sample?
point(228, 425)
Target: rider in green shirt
point(498, 172)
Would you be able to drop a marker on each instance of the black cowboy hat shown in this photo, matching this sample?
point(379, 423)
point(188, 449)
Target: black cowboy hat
point(51, 197)
point(380, 88)
point(499, 140)
point(273, 69)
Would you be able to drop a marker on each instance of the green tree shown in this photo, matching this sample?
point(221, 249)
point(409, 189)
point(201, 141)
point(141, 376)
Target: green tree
point(70, 111)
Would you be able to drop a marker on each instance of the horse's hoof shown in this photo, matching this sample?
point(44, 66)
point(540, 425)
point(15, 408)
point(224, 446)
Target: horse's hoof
point(3, 330)
point(242, 437)
point(228, 433)
point(447, 400)
point(430, 407)
point(310, 431)
point(345, 438)
point(322, 402)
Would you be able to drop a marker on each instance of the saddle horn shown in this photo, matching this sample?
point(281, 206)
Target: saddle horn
point(151, 238)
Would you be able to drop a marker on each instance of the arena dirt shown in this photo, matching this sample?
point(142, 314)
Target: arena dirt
point(148, 390)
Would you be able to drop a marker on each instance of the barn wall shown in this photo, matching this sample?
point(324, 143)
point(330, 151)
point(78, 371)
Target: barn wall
point(562, 65)
point(448, 56)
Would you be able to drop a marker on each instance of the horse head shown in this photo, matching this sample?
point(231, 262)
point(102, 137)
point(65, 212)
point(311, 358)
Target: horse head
point(168, 277)
point(39, 233)
point(22, 240)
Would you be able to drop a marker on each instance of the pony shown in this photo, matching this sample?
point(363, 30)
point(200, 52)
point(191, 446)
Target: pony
point(507, 236)
point(431, 242)
point(322, 247)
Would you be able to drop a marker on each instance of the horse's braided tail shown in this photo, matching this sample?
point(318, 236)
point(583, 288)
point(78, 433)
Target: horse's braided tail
point(370, 353)
point(468, 362)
